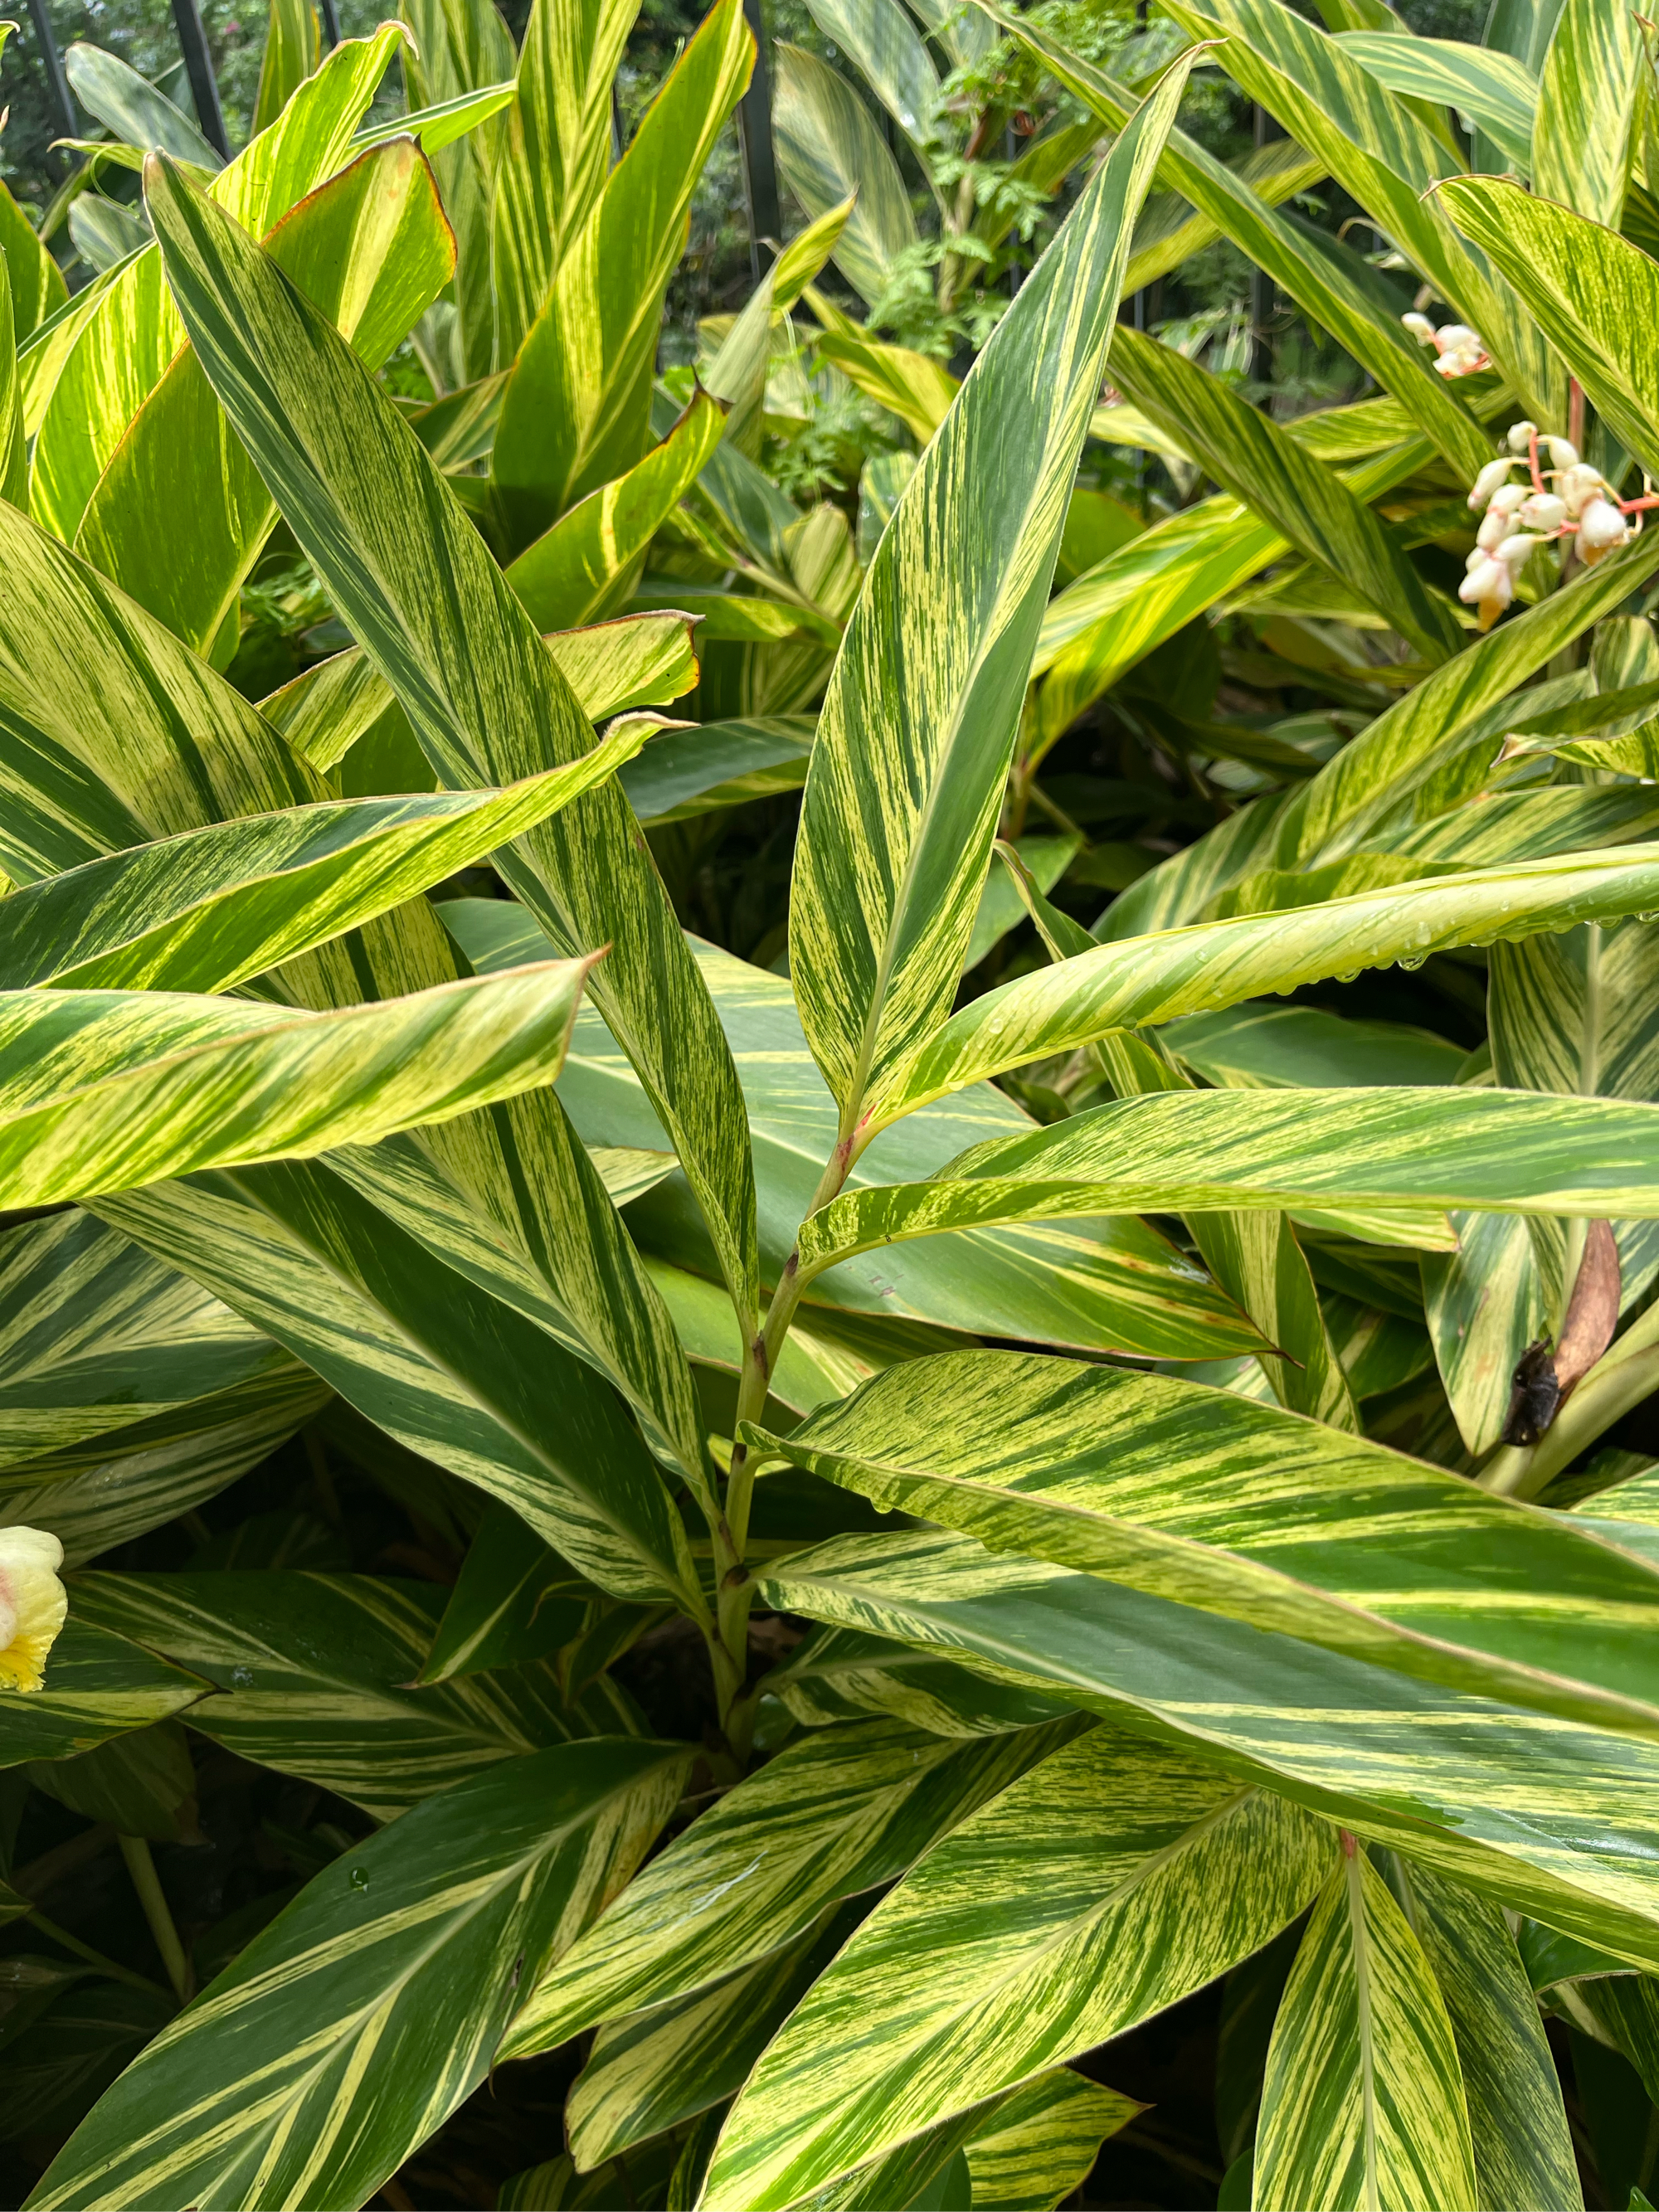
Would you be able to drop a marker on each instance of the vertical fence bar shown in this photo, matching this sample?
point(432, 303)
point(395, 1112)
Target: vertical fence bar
point(57, 83)
point(759, 168)
point(330, 16)
point(199, 68)
point(1262, 296)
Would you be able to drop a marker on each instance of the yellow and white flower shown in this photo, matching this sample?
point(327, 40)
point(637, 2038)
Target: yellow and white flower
point(33, 1604)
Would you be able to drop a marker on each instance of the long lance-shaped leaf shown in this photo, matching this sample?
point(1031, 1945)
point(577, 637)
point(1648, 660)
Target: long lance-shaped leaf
point(1183, 1152)
point(314, 1675)
point(585, 566)
point(1594, 293)
point(1316, 280)
point(829, 148)
point(131, 331)
point(1522, 1805)
point(1039, 2148)
point(101, 1090)
point(373, 250)
point(1379, 151)
point(843, 1812)
point(1106, 1884)
point(38, 289)
point(1590, 103)
point(290, 56)
point(409, 572)
point(1518, 2128)
point(1209, 965)
point(1169, 232)
point(1490, 88)
point(919, 724)
point(13, 453)
point(1363, 2103)
point(205, 911)
point(556, 148)
point(97, 1685)
point(455, 1375)
point(96, 1337)
point(1241, 1509)
point(885, 46)
point(577, 409)
point(460, 50)
point(349, 2030)
point(1246, 452)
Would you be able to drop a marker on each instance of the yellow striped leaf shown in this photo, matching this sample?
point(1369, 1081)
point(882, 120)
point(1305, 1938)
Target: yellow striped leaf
point(100, 1091)
point(576, 412)
point(513, 1601)
point(378, 1996)
point(1106, 1884)
point(98, 1686)
point(829, 150)
point(292, 46)
point(314, 1675)
point(844, 1811)
point(1363, 2110)
point(900, 809)
point(1589, 92)
point(1519, 1805)
point(838, 1674)
point(1205, 1498)
point(908, 385)
point(38, 288)
point(459, 51)
point(410, 573)
point(1038, 2146)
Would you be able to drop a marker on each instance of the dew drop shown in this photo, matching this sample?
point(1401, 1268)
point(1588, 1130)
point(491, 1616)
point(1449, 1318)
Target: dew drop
point(358, 1878)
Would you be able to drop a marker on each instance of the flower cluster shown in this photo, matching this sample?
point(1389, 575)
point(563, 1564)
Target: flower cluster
point(32, 1605)
point(1460, 350)
point(1568, 499)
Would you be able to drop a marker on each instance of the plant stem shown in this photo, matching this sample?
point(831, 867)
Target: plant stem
point(148, 1883)
point(98, 1959)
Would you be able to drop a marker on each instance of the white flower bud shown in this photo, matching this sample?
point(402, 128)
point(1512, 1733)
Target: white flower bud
point(1489, 587)
point(1515, 552)
point(1521, 436)
point(1494, 529)
point(1563, 453)
point(1578, 486)
point(32, 1605)
point(1541, 510)
point(1509, 499)
point(1601, 527)
point(1450, 337)
point(1495, 474)
point(1420, 328)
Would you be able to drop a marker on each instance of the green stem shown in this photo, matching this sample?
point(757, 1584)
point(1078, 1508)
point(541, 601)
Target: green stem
point(148, 1883)
point(1621, 1379)
point(98, 1959)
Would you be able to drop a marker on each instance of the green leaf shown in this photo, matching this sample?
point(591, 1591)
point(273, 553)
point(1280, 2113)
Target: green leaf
point(1364, 2101)
point(462, 49)
point(155, 1471)
point(207, 910)
point(1297, 259)
point(1205, 1498)
point(73, 2053)
point(1174, 971)
point(291, 51)
point(846, 1810)
point(881, 41)
point(1518, 2130)
point(134, 109)
point(371, 250)
point(1039, 2146)
point(900, 809)
point(38, 289)
point(1104, 1284)
point(455, 1375)
point(100, 1091)
point(315, 1675)
point(97, 1685)
point(1246, 452)
point(1490, 89)
point(96, 1337)
point(1590, 98)
point(438, 126)
point(131, 332)
point(586, 565)
point(1260, 1046)
point(654, 2070)
point(514, 1601)
point(557, 149)
point(377, 1996)
point(577, 409)
point(908, 385)
point(1106, 1884)
point(1519, 1806)
point(14, 456)
point(685, 773)
point(828, 151)
point(141, 1783)
point(411, 574)
point(837, 1673)
point(1387, 159)
point(1484, 1305)
point(1592, 291)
